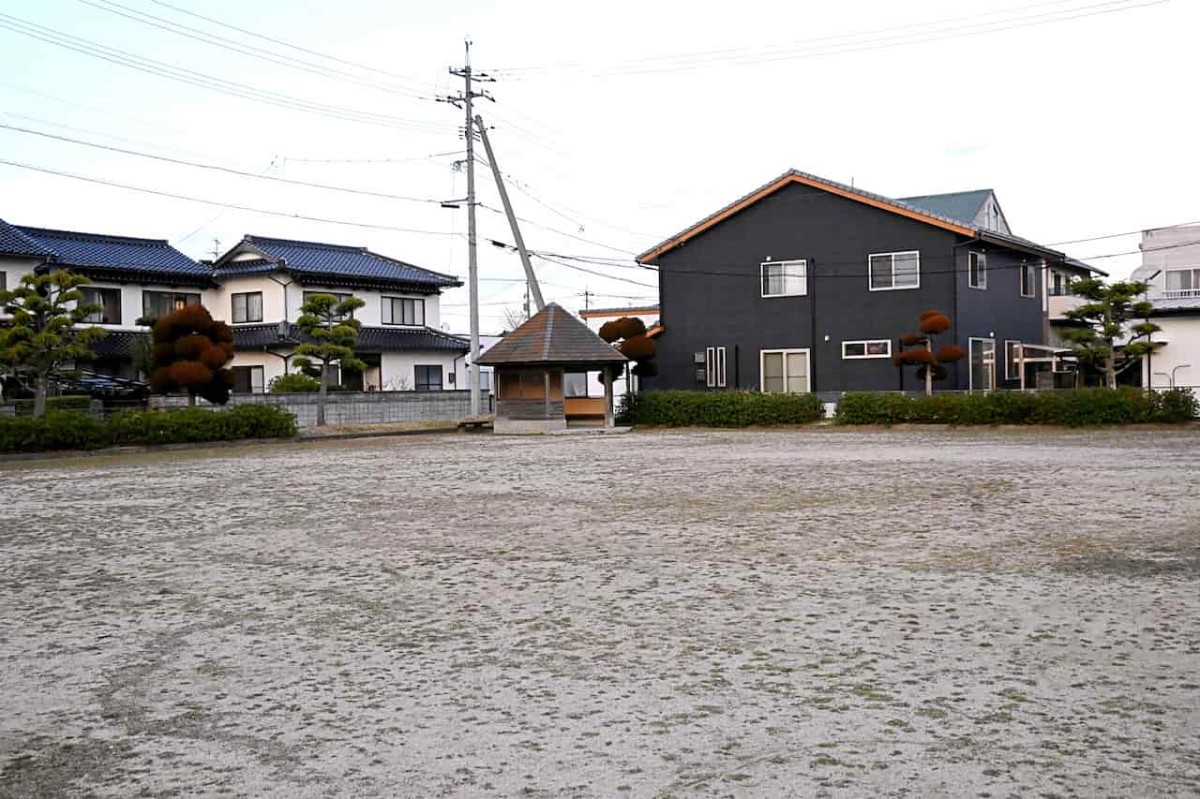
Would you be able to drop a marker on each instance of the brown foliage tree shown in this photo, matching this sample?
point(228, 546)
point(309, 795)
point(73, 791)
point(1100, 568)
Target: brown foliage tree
point(932, 364)
point(189, 353)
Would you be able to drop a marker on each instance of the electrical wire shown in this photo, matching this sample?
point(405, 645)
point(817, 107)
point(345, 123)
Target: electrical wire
point(691, 62)
point(210, 82)
point(225, 169)
point(252, 51)
point(289, 45)
point(221, 204)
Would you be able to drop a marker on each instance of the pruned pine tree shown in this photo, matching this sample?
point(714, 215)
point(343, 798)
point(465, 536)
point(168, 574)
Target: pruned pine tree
point(1112, 341)
point(332, 331)
point(47, 328)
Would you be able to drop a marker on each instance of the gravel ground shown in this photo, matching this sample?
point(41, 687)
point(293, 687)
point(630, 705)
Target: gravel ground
point(1001, 613)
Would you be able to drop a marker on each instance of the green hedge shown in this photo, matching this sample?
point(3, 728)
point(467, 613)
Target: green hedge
point(1084, 407)
point(720, 408)
point(59, 430)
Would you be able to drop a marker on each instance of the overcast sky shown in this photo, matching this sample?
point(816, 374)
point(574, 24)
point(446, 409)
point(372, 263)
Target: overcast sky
point(620, 122)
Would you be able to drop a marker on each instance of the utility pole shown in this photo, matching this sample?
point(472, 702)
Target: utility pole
point(465, 100)
point(587, 296)
point(530, 277)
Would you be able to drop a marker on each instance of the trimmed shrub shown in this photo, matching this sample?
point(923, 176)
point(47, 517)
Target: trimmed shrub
point(293, 383)
point(59, 430)
point(1074, 408)
point(721, 409)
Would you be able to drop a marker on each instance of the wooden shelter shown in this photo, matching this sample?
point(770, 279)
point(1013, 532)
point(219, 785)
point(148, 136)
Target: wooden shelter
point(529, 365)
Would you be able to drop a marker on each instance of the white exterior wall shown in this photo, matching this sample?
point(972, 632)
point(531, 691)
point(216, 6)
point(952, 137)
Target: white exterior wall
point(371, 314)
point(273, 365)
point(398, 372)
point(14, 269)
point(462, 372)
point(1180, 357)
point(1165, 249)
point(131, 299)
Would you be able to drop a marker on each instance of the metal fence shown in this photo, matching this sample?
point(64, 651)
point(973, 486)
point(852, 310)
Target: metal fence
point(357, 407)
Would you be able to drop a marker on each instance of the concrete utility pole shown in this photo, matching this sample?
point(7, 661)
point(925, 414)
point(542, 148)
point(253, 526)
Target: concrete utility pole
point(530, 277)
point(465, 101)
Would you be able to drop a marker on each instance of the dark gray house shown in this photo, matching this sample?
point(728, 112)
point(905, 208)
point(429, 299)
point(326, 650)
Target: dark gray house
point(806, 284)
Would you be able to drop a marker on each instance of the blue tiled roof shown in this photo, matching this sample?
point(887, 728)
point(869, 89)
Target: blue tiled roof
point(961, 205)
point(370, 339)
point(14, 242)
point(100, 251)
point(359, 263)
point(250, 267)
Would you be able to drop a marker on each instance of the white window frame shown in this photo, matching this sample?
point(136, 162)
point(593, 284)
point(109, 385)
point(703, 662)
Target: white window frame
point(1031, 270)
point(1010, 363)
point(714, 367)
point(867, 342)
point(980, 259)
point(1192, 291)
point(871, 275)
point(803, 269)
point(762, 371)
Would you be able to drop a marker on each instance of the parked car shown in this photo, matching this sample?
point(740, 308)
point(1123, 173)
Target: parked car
point(78, 383)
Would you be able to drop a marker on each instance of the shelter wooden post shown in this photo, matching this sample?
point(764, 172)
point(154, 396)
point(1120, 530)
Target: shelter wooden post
point(608, 398)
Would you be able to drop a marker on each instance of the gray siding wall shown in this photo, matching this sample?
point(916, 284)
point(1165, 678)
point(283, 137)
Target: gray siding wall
point(999, 311)
point(710, 292)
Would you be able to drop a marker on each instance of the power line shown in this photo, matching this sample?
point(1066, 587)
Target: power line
point(290, 45)
point(218, 168)
point(689, 62)
point(210, 82)
point(1125, 233)
point(249, 50)
point(429, 157)
point(556, 230)
point(220, 204)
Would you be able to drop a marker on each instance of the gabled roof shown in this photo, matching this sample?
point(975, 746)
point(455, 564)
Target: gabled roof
point(961, 205)
point(551, 336)
point(901, 207)
point(316, 260)
point(14, 242)
point(370, 339)
point(793, 177)
point(115, 253)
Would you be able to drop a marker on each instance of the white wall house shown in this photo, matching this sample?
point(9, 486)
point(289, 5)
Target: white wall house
point(258, 287)
point(262, 284)
point(1171, 268)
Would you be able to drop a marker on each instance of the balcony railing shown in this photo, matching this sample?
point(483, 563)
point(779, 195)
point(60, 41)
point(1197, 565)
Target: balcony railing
point(1176, 294)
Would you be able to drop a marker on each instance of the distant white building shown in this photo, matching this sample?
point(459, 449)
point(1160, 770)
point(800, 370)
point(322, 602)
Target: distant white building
point(595, 319)
point(1171, 267)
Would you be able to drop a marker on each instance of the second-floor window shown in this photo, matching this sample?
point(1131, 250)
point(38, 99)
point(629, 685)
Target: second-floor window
point(402, 311)
point(977, 270)
point(1183, 283)
point(3, 281)
point(247, 307)
point(784, 278)
point(895, 270)
point(109, 301)
point(1028, 280)
point(161, 303)
point(1060, 284)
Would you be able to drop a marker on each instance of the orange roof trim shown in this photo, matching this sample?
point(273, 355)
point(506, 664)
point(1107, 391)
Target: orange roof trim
point(793, 177)
point(616, 313)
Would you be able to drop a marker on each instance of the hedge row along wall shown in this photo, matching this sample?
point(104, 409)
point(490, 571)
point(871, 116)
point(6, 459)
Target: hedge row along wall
point(1084, 407)
point(66, 431)
point(720, 408)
